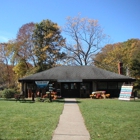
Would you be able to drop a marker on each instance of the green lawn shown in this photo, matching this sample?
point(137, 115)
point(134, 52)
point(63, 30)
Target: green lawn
point(111, 119)
point(105, 119)
point(28, 120)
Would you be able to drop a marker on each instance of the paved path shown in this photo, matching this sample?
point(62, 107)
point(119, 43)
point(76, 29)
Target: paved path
point(71, 124)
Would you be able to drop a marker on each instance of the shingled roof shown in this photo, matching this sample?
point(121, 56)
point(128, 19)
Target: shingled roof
point(75, 73)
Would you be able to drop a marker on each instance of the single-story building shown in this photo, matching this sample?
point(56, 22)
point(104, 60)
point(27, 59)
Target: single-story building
point(75, 81)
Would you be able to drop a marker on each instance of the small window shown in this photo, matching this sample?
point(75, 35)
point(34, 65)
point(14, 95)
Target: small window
point(73, 86)
point(66, 86)
point(85, 86)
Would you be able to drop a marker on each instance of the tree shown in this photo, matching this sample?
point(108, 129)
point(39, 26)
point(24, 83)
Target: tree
point(22, 47)
point(135, 66)
point(21, 50)
point(20, 69)
point(6, 73)
point(47, 39)
point(87, 37)
point(135, 71)
point(125, 52)
point(109, 57)
point(25, 43)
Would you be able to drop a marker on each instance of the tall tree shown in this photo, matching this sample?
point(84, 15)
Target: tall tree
point(134, 66)
point(125, 52)
point(109, 57)
point(6, 74)
point(22, 48)
point(86, 36)
point(25, 43)
point(47, 38)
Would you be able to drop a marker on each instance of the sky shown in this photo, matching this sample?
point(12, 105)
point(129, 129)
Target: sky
point(120, 19)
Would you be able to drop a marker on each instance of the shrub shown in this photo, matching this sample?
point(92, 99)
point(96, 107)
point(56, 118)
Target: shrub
point(9, 93)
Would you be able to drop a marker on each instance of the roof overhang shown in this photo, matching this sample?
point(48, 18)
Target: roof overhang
point(69, 80)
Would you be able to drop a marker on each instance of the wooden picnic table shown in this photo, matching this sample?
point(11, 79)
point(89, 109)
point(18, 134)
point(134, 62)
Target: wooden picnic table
point(98, 95)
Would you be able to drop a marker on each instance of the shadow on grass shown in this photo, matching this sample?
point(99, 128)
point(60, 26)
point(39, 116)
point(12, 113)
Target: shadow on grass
point(27, 101)
point(30, 101)
point(67, 102)
point(21, 101)
point(136, 100)
point(58, 101)
point(71, 102)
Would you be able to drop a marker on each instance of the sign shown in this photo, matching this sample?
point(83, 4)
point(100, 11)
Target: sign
point(41, 84)
point(50, 87)
point(80, 80)
point(125, 93)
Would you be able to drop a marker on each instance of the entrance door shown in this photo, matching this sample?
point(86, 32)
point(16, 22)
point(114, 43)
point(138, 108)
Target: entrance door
point(70, 90)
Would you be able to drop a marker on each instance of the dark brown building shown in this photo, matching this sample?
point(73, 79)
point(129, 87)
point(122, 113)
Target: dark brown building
point(76, 81)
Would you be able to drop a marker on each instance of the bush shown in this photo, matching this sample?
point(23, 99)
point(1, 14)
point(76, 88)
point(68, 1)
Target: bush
point(9, 93)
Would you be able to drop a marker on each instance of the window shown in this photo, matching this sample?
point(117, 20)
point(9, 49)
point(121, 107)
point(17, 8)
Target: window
point(66, 86)
point(73, 86)
point(85, 86)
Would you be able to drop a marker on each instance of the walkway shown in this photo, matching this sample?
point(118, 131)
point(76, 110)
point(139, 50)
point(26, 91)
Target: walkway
point(71, 124)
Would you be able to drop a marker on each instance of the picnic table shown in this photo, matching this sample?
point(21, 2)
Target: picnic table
point(99, 95)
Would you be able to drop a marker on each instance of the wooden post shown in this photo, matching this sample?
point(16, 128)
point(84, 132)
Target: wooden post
point(33, 96)
point(50, 97)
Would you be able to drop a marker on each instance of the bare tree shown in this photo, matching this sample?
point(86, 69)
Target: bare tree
point(86, 39)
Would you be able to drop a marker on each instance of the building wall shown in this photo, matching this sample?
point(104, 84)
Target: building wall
point(83, 90)
point(113, 88)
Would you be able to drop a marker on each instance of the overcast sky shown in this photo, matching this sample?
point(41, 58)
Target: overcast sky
point(119, 18)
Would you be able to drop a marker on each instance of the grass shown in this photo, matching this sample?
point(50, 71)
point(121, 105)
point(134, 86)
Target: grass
point(108, 119)
point(28, 120)
point(111, 119)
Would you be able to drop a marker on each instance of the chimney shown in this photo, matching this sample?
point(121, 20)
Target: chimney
point(120, 68)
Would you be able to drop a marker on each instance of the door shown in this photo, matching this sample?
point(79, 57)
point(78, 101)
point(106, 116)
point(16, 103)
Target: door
point(70, 90)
